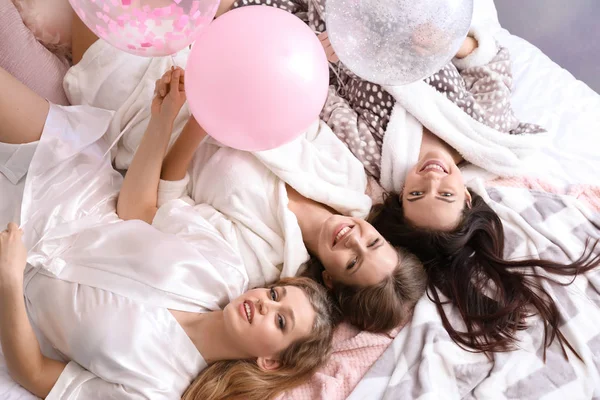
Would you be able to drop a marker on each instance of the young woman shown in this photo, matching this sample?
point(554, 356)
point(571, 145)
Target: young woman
point(122, 310)
point(428, 209)
point(275, 207)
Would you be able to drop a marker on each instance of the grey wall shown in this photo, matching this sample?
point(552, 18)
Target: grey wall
point(568, 31)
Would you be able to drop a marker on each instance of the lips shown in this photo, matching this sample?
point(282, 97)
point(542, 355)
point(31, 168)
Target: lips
point(247, 309)
point(434, 165)
point(341, 232)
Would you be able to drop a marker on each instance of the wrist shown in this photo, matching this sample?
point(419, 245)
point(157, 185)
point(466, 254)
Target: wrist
point(161, 123)
point(10, 283)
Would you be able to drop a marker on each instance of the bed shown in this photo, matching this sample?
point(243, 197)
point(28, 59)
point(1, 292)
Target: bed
point(545, 94)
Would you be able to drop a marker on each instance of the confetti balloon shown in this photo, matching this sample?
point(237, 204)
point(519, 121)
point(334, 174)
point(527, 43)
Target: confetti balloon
point(400, 41)
point(148, 28)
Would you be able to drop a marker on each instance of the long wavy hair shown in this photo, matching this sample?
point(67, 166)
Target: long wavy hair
point(381, 307)
point(494, 297)
point(243, 379)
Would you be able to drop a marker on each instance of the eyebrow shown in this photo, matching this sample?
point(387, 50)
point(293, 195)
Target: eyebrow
point(360, 263)
point(437, 197)
point(290, 312)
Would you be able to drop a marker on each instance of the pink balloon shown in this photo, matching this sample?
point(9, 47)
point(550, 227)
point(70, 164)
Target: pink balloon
point(150, 28)
point(256, 78)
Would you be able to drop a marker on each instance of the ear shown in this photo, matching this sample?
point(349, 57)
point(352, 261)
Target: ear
point(468, 198)
point(267, 364)
point(327, 280)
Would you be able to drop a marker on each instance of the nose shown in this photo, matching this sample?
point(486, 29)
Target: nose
point(353, 241)
point(264, 305)
point(432, 176)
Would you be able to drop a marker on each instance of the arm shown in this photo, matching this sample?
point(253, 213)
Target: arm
point(467, 47)
point(138, 197)
point(178, 159)
point(224, 6)
point(24, 359)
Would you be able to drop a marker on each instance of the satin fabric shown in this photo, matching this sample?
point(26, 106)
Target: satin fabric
point(98, 289)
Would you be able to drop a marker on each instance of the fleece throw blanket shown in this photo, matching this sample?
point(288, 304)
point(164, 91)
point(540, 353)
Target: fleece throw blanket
point(424, 363)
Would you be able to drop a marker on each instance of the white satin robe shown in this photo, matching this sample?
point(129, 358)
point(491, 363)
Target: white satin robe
point(243, 195)
point(98, 289)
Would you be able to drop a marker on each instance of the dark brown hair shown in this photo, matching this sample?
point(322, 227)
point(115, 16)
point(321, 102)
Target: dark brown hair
point(382, 307)
point(493, 296)
point(243, 379)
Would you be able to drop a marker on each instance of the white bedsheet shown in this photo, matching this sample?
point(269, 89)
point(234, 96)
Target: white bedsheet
point(546, 94)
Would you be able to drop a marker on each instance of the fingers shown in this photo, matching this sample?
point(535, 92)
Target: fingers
point(182, 80)
point(329, 51)
point(331, 56)
point(13, 229)
point(163, 88)
point(175, 78)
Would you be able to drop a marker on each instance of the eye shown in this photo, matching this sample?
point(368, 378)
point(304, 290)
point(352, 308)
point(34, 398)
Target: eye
point(446, 194)
point(273, 294)
point(416, 193)
point(281, 322)
point(374, 242)
point(352, 263)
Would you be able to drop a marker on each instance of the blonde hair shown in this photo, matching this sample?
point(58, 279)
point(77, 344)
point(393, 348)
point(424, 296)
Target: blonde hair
point(244, 379)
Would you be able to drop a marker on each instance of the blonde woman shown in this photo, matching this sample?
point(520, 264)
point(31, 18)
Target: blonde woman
point(117, 309)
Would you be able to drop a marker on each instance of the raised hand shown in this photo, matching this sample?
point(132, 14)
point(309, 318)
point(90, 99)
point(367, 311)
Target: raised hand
point(169, 95)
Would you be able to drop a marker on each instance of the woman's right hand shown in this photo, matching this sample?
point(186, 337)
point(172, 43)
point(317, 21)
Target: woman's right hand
point(169, 95)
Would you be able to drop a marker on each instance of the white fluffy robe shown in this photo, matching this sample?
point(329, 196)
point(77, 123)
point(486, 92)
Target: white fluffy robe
point(490, 152)
point(244, 196)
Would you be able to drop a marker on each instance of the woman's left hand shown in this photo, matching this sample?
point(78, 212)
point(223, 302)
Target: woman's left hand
point(468, 46)
point(169, 95)
point(13, 255)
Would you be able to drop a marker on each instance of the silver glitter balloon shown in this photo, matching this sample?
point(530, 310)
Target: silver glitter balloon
point(395, 42)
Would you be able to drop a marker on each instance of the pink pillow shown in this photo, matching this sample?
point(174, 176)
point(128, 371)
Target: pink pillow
point(26, 59)
point(50, 21)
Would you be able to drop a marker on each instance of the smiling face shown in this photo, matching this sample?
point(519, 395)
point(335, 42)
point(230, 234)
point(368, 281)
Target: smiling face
point(264, 322)
point(354, 253)
point(434, 194)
